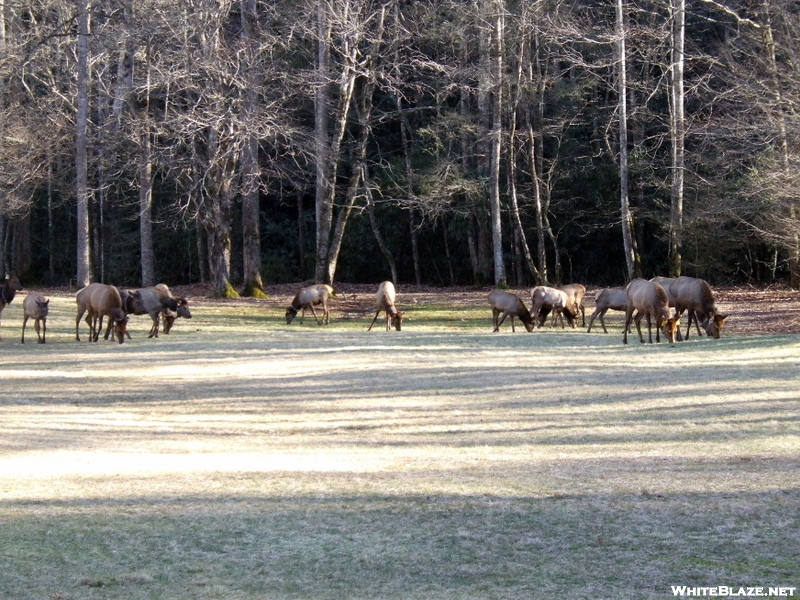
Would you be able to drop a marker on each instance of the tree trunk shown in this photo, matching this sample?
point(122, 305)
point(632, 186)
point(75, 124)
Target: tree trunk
point(84, 272)
point(376, 231)
point(792, 241)
point(251, 233)
point(146, 211)
point(625, 209)
point(324, 205)
point(146, 192)
point(497, 140)
point(678, 10)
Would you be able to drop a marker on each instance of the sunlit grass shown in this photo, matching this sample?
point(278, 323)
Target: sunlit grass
point(243, 458)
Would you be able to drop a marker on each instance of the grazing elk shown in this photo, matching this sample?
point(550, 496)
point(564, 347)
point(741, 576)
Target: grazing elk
point(8, 290)
point(510, 305)
point(309, 297)
point(695, 296)
point(167, 314)
point(36, 307)
point(546, 299)
point(649, 300)
point(154, 301)
point(575, 292)
point(608, 299)
point(101, 300)
point(384, 301)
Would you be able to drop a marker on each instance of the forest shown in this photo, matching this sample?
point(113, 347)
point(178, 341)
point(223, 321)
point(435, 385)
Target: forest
point(437, 142)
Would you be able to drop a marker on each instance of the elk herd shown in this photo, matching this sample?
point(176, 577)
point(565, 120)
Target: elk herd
point(661, 301)
point(99, 301)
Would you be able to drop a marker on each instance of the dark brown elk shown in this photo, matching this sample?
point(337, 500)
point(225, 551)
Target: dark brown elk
point(308, 298)
point(384, 301)
point(575, 292)
point(100, 300)
point(649, 300)
point(36, 307)
point(695, 296)
point(546, 299)
point(509, 305)
point(7, 292)
point(608, 299)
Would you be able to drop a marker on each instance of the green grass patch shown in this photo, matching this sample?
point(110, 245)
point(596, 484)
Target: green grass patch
point(239, 457)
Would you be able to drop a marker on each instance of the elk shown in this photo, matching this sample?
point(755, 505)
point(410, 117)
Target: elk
point(649, 300)
point(182, 309)
point(154, 301)
point(695, 296)
point(546, 299)
point(608, 298)
point(36, 307)
point(384, 301)
point(8, 290)
point(309, 297)
point(575, 292)
point(510, 305)
point(101, 300)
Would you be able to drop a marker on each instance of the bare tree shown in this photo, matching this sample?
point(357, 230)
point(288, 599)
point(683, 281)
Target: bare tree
point(84, 271)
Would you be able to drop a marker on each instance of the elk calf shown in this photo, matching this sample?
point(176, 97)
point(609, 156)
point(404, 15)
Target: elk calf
point(36, 307)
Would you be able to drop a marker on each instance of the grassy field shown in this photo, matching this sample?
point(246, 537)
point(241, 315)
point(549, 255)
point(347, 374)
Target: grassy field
point(240, 458)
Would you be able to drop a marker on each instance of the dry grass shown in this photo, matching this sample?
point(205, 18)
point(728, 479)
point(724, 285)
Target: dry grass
point(241, 458)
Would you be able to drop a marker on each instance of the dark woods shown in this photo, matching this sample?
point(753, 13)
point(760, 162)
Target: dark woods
point(435, 141)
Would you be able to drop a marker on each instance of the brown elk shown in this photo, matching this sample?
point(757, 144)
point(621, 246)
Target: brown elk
point(510, 305)
point(546, 299)
point(649, 300)
point(608, 299)
point(36, 307)
point(695, 296)
point(575, 292)
point(308, 298)
point(182, 309)
point(8, 290)
point(154, 301)
point(384, 301)
point(101, 300)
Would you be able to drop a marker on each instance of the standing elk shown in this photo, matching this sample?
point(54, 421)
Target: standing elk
point(36, 307)
point(575, 292)
point(308, 298)
point(510, 305)
point(695, 296)
point(7, 292)
point(101, 300)
point(384, 301)
point(608, 299)
point(546, 299)
point(649, 300)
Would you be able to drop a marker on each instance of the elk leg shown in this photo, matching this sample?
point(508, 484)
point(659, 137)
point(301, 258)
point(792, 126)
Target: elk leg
point(373, 320)
point(24, 320)
point(628, 319)
point(313, 312)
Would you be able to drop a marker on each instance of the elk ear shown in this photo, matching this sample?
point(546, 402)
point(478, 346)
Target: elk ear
point(720, 318)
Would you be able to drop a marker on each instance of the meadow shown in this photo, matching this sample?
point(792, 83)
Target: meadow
point(241, 458)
